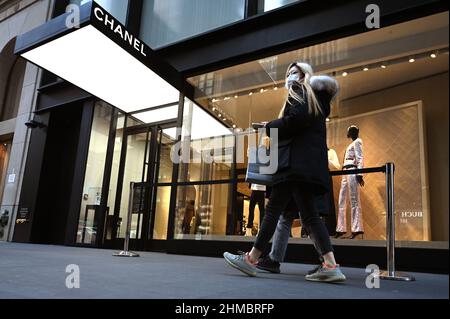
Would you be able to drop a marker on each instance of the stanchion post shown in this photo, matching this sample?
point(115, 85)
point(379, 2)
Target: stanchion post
point(125, 252)
point(390, 273)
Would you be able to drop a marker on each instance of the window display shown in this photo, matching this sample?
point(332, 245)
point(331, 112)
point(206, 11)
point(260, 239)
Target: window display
point(388, 92)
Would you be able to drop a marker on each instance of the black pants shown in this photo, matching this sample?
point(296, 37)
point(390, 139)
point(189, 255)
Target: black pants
point(307, 205)
point(257, 197)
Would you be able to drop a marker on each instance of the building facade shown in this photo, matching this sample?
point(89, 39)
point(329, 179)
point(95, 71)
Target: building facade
point(84, 153)
point(18, 88)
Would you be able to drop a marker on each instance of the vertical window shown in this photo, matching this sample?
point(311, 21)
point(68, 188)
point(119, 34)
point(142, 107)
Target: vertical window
point(118, 140)
point(118, 8)
point(165, 22)
point(93, 180)
point(208, 146)
point(267, 5)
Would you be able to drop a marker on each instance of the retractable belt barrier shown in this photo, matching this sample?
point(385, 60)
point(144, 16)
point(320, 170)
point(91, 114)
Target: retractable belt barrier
point(388, 169)
point(125, 252)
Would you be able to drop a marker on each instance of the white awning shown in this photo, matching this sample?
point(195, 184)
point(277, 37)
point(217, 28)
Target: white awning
point(104, 59)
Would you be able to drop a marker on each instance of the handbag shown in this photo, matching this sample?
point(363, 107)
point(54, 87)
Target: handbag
point(261, 167)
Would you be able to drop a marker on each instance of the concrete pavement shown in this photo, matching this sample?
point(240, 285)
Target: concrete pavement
point(39, 271)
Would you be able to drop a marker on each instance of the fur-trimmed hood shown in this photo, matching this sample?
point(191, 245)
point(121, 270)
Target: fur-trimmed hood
point(325, 82)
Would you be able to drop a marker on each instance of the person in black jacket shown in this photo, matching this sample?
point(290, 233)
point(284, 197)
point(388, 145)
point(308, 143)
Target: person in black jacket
point(303, 121)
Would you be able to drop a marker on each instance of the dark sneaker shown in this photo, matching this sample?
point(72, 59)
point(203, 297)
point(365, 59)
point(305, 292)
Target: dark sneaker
point(268, 264)
point(325, 274)
point(241, 263)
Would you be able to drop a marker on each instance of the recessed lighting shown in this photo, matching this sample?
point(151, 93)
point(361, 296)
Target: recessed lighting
point(251, 93)
point(383, 66)
point(412, 60)
point(344, 74)
point(220, 115)
point(214, 100)
point(328, 120)
point(224, 119)
point(366, 69)
point(227, 98)
point(213, 109)
point(275, 88)
point(234, 125)
point(433, 55)
point(236, 96)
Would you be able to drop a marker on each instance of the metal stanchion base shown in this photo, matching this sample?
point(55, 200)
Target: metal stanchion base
point(126, 254)
point(398, 276)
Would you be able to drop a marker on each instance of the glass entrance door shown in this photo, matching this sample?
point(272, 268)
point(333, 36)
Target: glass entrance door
point(146, 163)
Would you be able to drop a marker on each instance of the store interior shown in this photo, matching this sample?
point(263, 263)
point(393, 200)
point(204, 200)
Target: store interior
point(393, 85)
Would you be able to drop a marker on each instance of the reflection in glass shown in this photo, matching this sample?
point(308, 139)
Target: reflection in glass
point(114, 174)
point(157, 115)
point(208, 147)
point(202, 210)
point(135, 171)
point(161, 212)
point(92, 189)
point(165, 22)
point(267, 5)
point(118, 8)
point(166, 141)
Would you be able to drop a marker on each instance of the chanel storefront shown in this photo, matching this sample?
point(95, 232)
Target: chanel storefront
point(124, 110)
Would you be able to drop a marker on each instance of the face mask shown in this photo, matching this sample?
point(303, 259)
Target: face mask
point(291, 79)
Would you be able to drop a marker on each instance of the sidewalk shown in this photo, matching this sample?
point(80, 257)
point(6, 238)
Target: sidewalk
point(38, 271)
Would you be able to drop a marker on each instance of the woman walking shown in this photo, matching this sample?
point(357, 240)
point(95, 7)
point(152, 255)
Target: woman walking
point(303, 121)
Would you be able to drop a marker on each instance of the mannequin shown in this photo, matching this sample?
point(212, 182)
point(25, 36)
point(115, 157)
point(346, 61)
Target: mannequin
point(350, 186)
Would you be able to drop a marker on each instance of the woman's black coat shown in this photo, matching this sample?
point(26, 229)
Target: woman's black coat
point(308, 149)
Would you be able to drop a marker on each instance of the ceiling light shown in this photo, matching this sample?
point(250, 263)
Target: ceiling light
point(213, 109)
point(366, 69)
point(433, 55)
point(251, 93)
point(220, 115)
point(328, 120)
point(236, 96)
point(344, 74)
point(412, 60)
point(275, 88)
point(383, 66)
point(103, 59)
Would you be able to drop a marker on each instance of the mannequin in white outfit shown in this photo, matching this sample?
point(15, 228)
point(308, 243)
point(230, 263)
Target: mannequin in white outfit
point(350, 187)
